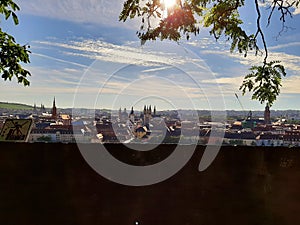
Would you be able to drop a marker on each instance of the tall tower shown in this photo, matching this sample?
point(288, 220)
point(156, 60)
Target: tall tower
point(267, 115)
point(147, 116)
point(131, 115)
point(54, 110)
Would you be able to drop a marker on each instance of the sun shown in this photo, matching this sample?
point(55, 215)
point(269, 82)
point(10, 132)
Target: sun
point(168, 3)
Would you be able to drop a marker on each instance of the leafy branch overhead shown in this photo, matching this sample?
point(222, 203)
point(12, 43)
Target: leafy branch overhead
point(12, 54)
point(264, 81)
point(186, 18)
point(221, 18)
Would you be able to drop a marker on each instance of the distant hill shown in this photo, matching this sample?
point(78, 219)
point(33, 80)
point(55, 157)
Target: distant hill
point(14, 106)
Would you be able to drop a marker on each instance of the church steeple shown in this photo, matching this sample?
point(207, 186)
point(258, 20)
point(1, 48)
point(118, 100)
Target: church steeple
point(132, 111)
point(131, 115)
point(54, 110)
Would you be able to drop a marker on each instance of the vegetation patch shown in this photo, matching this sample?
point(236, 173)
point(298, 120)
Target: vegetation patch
point(18, 106)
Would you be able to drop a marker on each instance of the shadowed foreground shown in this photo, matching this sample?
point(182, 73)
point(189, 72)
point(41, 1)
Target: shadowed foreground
point(51, 184)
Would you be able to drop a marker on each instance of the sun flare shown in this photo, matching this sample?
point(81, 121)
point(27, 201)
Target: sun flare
point(168, 3)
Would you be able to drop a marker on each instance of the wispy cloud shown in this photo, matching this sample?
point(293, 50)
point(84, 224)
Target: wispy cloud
point(208, 43)
point(104, 51)
point(156, 69)
point(102, 12)
point(56, 77)
point(290, 85)
point(59, 60)
point(283, 46)
point(291, 62)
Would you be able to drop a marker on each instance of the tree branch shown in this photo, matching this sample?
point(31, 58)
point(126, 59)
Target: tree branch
point(260, 32)
point(284, 7)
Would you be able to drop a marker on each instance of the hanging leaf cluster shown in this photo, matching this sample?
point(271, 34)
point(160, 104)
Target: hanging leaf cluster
point(12, 54)
point(264, 82)
point(186, 18)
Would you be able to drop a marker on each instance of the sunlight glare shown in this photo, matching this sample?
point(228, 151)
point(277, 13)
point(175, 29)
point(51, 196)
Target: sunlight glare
point(168, 3)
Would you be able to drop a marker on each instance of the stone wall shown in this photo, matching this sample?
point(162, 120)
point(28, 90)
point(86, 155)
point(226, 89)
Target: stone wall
point(43, 184)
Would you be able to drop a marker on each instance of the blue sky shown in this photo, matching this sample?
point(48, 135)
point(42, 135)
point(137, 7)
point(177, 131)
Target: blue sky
point(85, 57)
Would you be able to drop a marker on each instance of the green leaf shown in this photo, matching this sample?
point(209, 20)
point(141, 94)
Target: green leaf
point(7, 14)
point(15, 18)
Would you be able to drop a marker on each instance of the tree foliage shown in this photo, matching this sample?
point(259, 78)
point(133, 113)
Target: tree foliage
point(264, 82)
point(12, 54)
point(221, 18)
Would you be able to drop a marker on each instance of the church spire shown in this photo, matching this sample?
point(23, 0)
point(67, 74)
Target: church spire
point(132, 112)
point(54, 106)
point(54, 110)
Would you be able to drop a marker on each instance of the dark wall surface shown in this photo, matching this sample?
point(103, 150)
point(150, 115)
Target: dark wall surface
point(43, 184)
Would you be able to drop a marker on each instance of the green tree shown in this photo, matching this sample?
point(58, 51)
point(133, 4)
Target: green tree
point(264, 82)
point(222, 18)
point(12, 54)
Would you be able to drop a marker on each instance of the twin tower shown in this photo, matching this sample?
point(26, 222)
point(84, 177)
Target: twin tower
point(145, 115)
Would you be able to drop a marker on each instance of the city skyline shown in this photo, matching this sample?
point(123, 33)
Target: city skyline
point(88, 59)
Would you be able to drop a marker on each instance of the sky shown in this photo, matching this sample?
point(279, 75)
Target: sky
point(84, 57)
